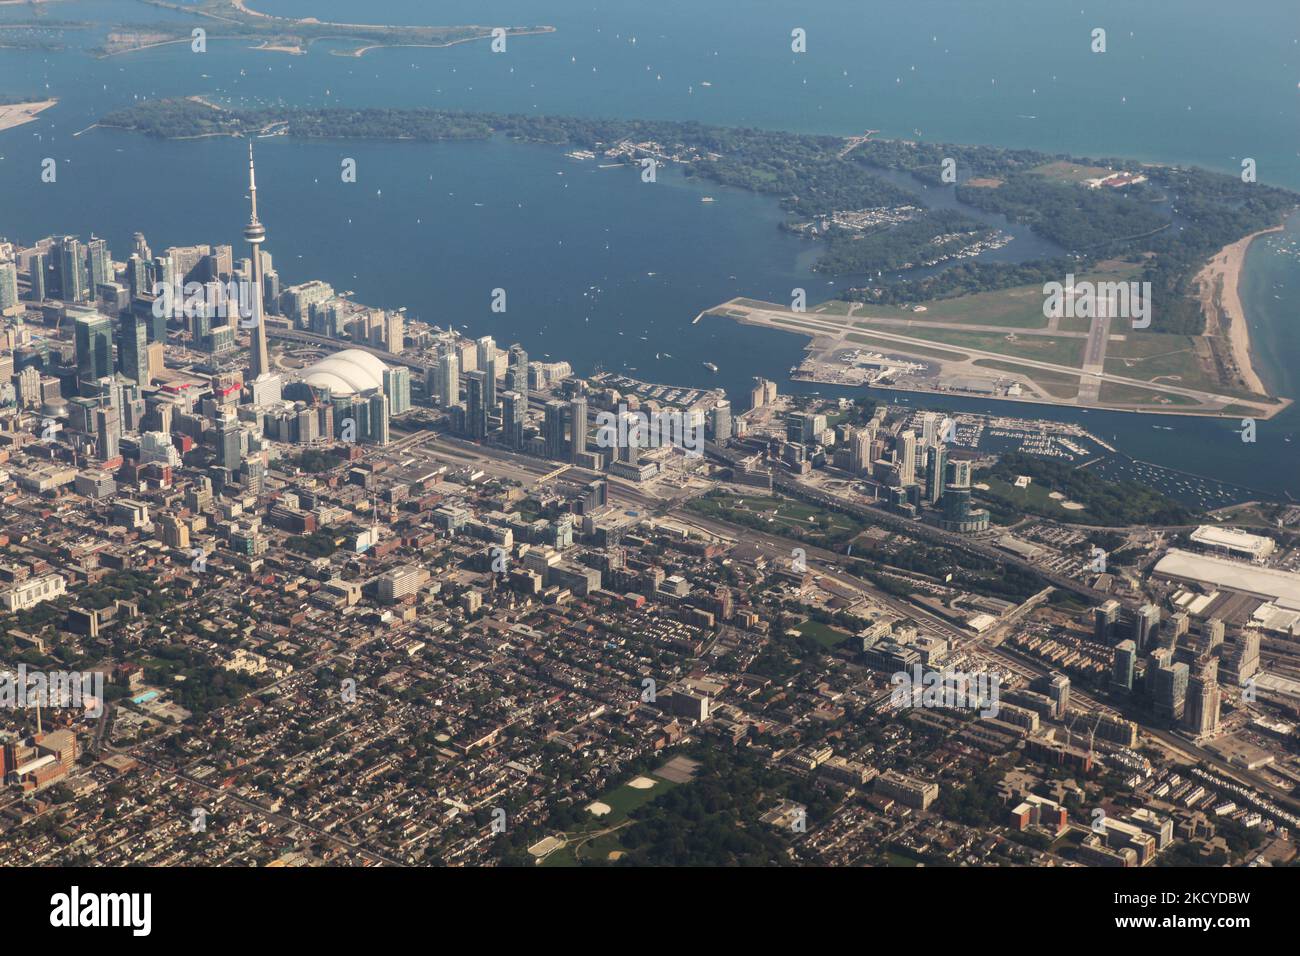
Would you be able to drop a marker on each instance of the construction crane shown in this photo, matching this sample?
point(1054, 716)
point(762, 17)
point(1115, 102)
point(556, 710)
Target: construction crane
point(1093, 736)
point(1070, 728)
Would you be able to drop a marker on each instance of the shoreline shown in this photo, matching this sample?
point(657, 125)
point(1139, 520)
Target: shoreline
point(1132, 409)
point(17, 114)
point(277, 44)
point(1219, 285)
point(1209, 404)
point(361, 51)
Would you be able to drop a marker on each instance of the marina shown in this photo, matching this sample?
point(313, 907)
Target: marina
point(1071, 443)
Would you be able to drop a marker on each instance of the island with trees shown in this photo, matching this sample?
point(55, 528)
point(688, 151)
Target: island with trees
point(815, 177)
point(235, 20)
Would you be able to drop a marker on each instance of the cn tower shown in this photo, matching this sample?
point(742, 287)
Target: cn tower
point(255, 233)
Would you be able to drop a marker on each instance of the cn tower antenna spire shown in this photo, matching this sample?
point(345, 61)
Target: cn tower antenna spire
point(252, 182)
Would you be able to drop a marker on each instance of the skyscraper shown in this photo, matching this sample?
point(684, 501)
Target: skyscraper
point(577, 427)
point(71, 264)
point(223, 262)
point(93, 337)
point(164, 272)
point(29, 387)
point(513, 410)
point(907, 458)
point(108, 433)
point(100, 261)
point(720, 421)
point(253, 474)
point(1104, 619)
point(255, 233)
point(155, 324)
point(1169, 688)
point(137, 276)
point(956, 505)
point(936, 463)
point(517, 370)
point(39, 266)
point(487, 364)
point(1146, 626)
point(200, 325)
point(929, 428)
point(132, 348)
point(1058, 690)
point(448, 379)
point(804, 427)
point(553, 430)
point(958, 513)
point(1121, 673)
point(1240, 660)
point(632, 427)
point(379, 412)
point(271, 289)
point(229, 443)
point(476, 408)
point(8, 285)
point(397, 386)
point(394, 332)
point(1204, 698)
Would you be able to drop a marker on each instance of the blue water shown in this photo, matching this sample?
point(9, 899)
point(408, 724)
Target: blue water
point(575, 251)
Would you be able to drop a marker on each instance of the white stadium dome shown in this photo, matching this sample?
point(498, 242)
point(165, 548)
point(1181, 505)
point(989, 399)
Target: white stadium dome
point(347, 373)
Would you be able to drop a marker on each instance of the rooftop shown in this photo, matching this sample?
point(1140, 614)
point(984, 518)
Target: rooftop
point(1280, 587)
point(347, 373)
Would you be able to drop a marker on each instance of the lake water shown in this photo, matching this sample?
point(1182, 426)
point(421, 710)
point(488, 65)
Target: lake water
point(606, 271)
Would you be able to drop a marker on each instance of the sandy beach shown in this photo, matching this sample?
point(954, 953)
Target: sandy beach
point(16, 114)
point(272, 47)
point(1224, 315)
